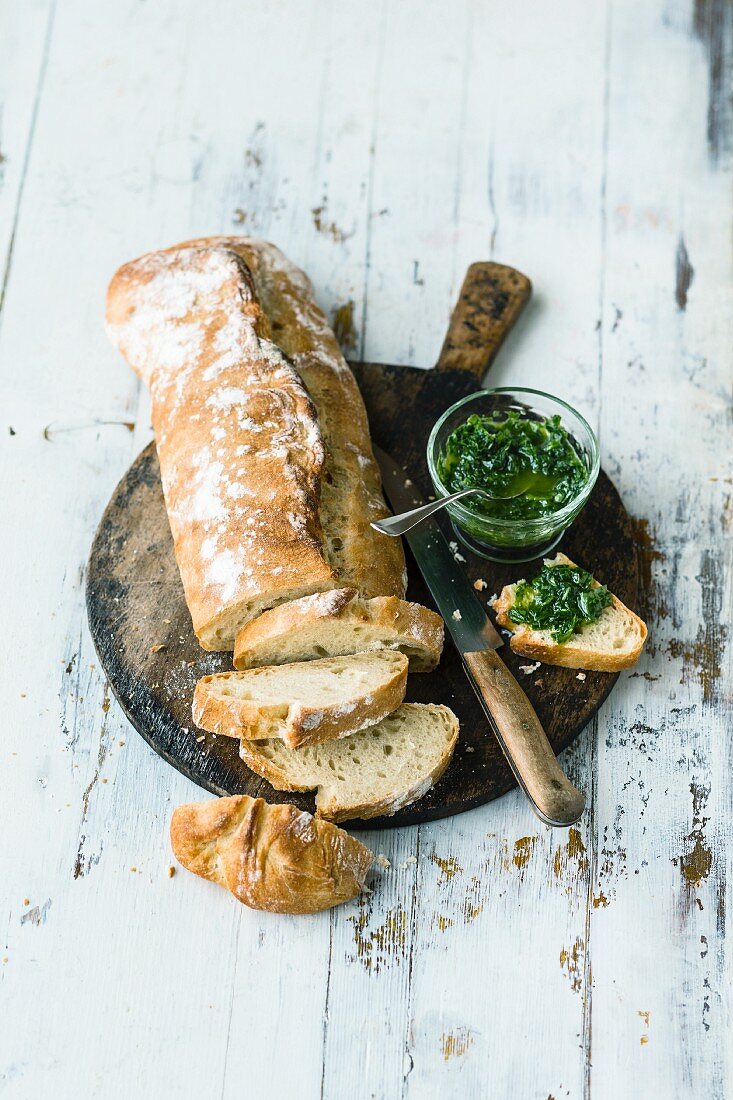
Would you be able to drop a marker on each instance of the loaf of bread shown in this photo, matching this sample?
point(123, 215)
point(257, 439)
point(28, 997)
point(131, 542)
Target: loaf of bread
point(268, 474)
point(277, 858)
point(331, 624)
point(303, 703)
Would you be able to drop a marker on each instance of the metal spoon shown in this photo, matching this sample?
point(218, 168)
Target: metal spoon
point(398, 525)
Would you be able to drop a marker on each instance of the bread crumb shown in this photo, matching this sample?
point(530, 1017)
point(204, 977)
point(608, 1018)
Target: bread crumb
point(104, 780)
point(479, 585)
point(453, 546)
point(26, 901)
point(492, 600)
point(470, 748)
point(580, 676)
point(157, 648)
point(171, 872)
point(457, 556)
point(167, 621)
point(22, 695)
point(200, 739)
point(120, 743)
point(383, 861)
point(457, 615)
point(134, 870)
point(528, 669)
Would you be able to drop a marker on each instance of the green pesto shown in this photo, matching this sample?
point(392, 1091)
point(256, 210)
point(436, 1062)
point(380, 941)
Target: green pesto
point(507, 453)
point(560, 599)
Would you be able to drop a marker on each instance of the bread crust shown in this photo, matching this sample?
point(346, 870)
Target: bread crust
point(415, 626)
point(571, 654)
point(260, 428)
point(275, 858)
point(297, 723)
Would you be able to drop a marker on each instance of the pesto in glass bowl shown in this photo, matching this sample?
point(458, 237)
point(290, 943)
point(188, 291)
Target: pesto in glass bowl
point(509, 442)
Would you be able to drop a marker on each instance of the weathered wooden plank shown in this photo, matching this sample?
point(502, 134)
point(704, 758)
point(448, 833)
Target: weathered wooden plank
point(502, 958)
point(660, 965)
point(24, 47)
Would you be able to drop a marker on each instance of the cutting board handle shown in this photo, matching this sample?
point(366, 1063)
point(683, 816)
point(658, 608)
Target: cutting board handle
point(491, 299)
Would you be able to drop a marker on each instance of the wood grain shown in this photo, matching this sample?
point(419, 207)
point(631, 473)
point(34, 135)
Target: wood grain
point(490, 301)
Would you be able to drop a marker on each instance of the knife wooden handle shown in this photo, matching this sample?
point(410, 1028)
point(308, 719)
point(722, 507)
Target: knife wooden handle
point(491, 299)
point(523, 740)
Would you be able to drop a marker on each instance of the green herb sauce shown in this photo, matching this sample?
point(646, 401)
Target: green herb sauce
point(506, 453)
point(560, 599)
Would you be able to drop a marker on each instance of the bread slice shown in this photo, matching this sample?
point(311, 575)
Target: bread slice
point(376, 771)
point(612, 643)
point(302, 703)
point(331, 624)
point(276, 858)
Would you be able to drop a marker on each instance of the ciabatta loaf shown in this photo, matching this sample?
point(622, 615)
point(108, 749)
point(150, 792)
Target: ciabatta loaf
point(610, 644)
point(276, 858)
point(331, 624)
point(376, 771)
point(268, 475)
point(350, 485)
point(302, 703)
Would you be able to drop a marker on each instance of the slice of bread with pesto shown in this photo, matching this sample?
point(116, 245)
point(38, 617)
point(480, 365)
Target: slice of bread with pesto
point(302, 703)
point(335, 623)
point(565, 617)
point(379, 770)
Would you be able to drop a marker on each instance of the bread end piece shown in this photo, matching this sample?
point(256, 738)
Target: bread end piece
point(611, 644)
point(275, 858)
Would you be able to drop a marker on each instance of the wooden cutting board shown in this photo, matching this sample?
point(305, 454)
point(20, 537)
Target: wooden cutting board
point(142, 630)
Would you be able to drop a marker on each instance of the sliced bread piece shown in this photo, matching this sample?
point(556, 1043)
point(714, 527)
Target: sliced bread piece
point(377, 771)
point(302, 703)
point(612, 643)
point(331, 624)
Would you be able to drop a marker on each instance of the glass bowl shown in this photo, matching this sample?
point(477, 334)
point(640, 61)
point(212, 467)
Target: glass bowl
point(513, 540)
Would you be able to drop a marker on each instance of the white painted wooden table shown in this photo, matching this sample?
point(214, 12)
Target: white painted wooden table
point(384, 147)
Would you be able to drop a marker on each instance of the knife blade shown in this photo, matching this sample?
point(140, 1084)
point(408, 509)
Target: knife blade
point(509, 712)
point(471, 629)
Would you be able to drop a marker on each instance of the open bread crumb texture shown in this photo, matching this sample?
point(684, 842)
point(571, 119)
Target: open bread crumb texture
point(376, 771)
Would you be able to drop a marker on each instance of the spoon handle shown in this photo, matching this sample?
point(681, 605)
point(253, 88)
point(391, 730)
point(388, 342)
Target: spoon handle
point(399, 525)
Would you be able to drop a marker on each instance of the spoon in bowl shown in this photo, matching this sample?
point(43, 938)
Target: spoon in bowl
point(399, 525)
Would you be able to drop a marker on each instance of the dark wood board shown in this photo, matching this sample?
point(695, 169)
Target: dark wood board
point(135, 598)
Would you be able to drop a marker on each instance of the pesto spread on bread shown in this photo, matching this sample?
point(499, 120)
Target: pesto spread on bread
point(560, 599)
